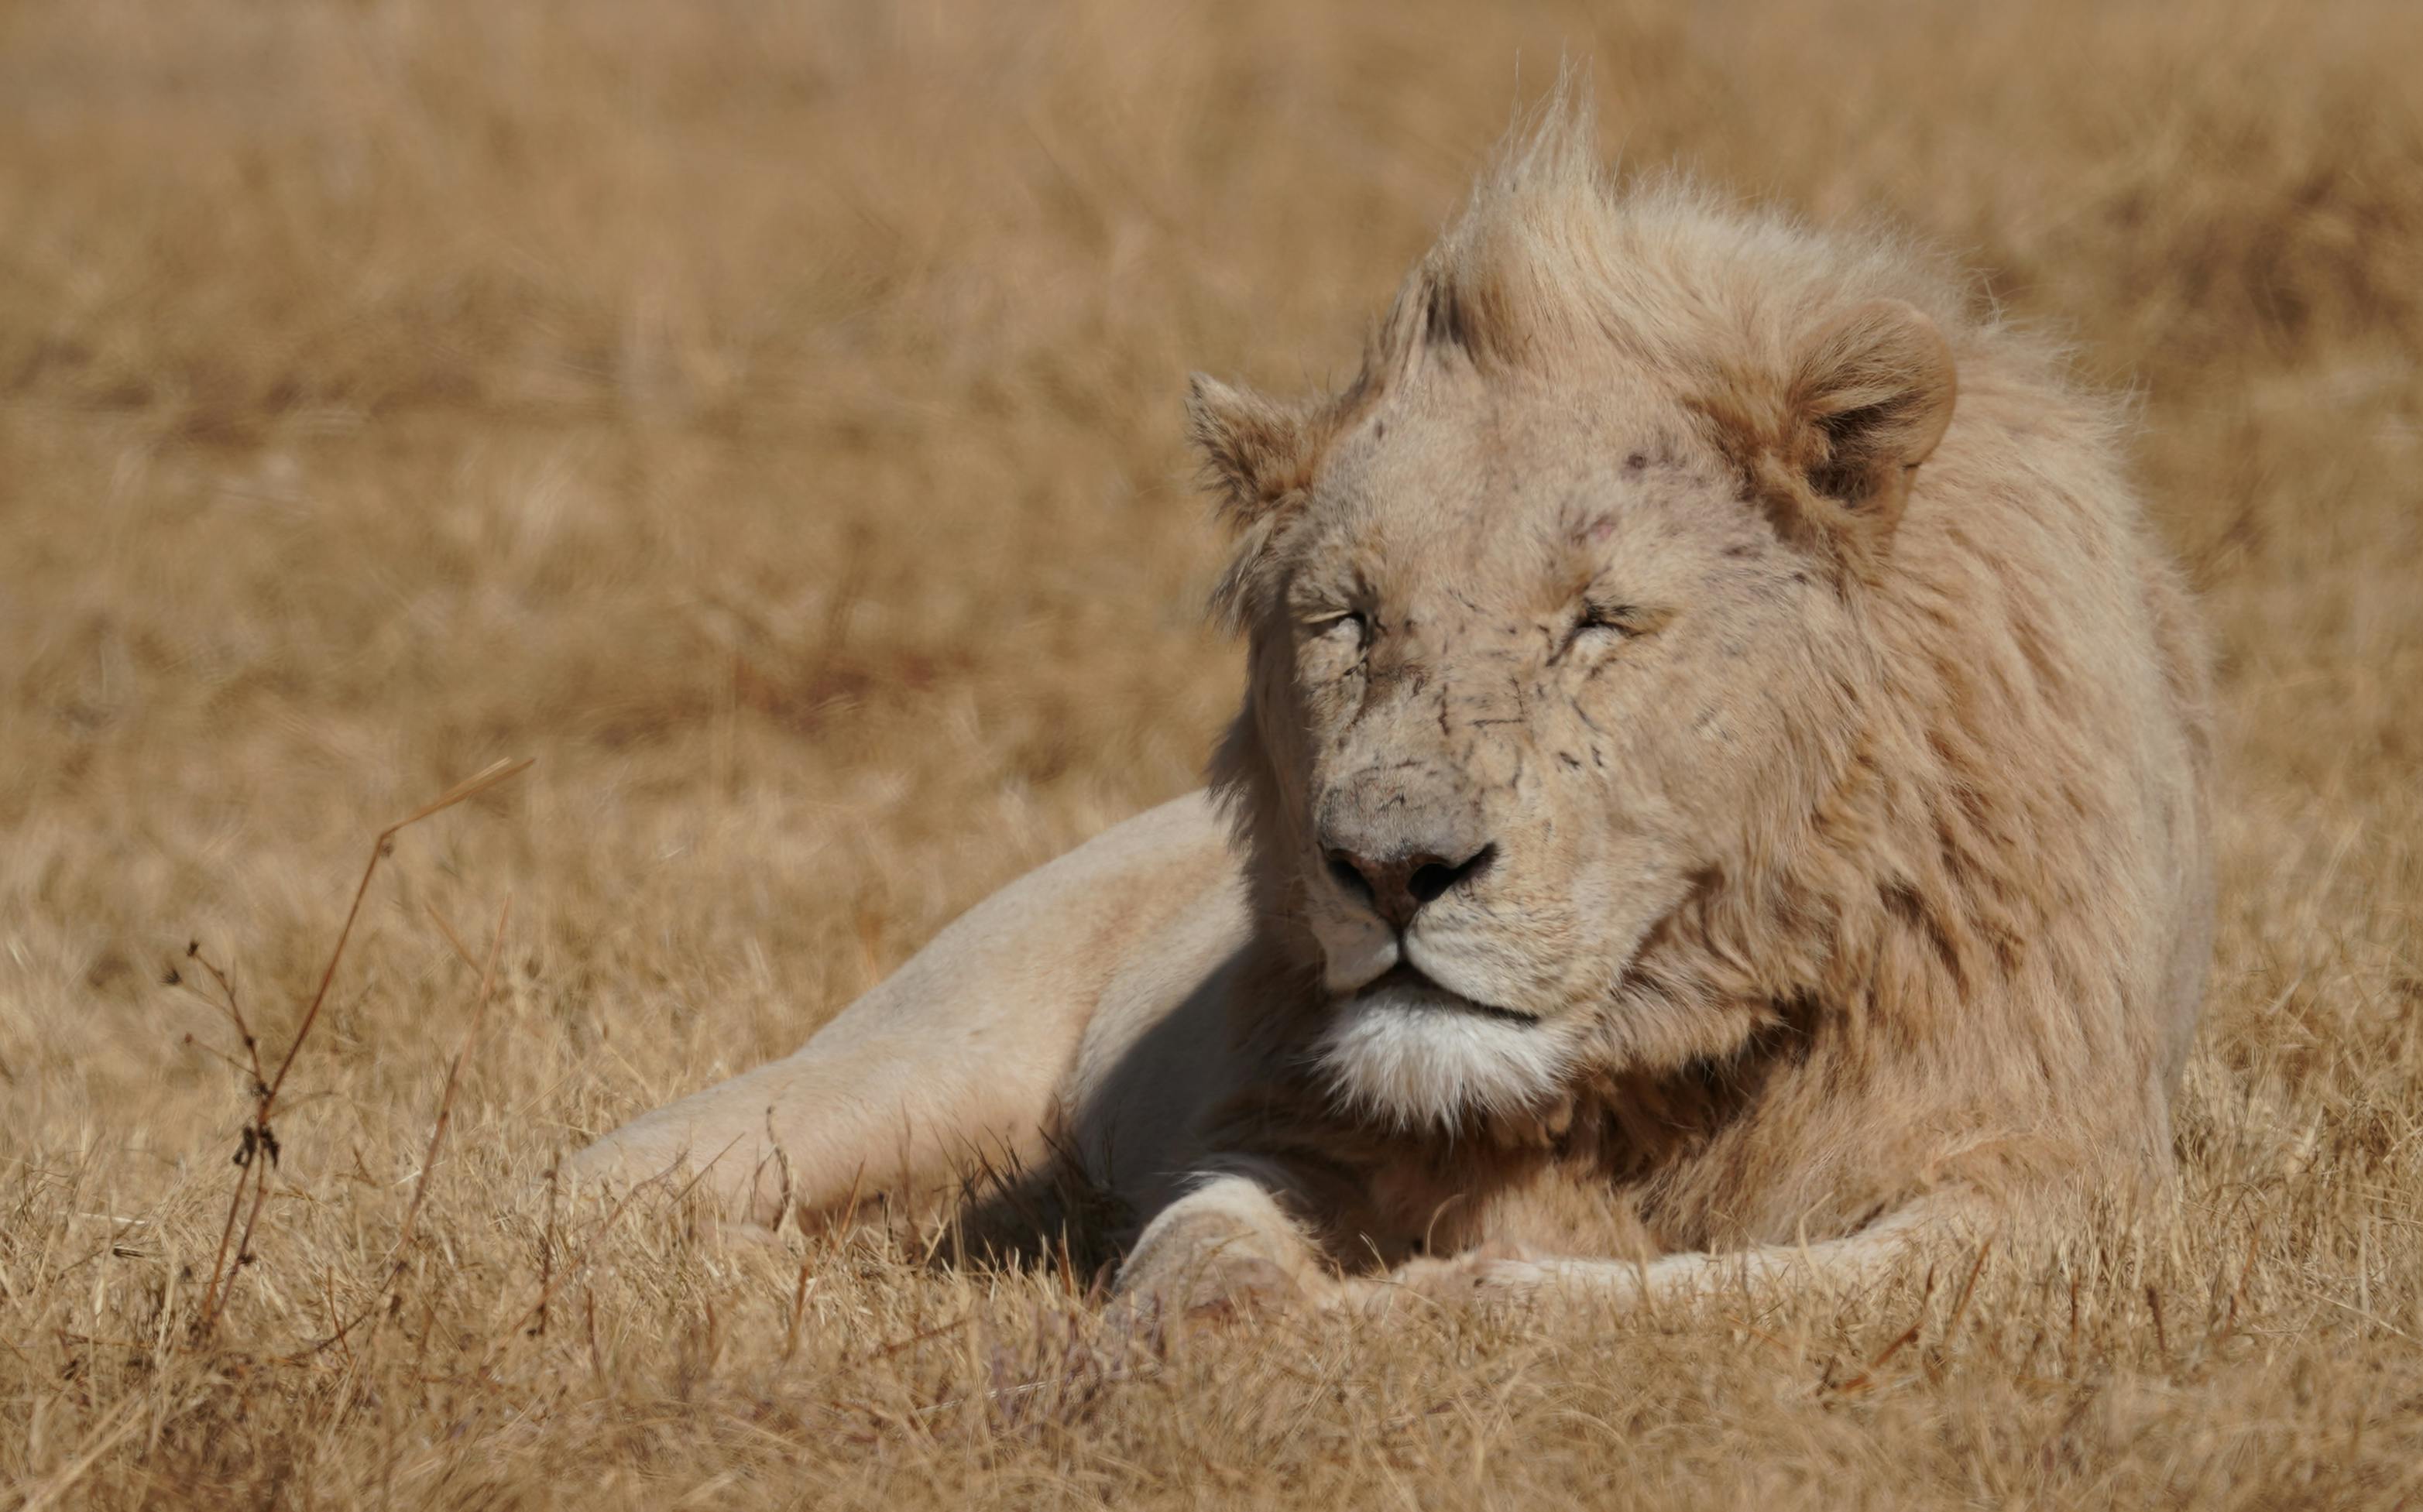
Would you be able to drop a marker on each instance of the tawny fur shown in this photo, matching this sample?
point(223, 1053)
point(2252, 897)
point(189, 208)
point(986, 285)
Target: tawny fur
point(1773, 641)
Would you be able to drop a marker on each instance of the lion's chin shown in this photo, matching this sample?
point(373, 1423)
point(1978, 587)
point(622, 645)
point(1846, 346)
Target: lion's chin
point(1409, 1051)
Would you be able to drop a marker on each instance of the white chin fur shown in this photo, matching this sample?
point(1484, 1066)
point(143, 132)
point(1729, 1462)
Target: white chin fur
point(1416, 1055)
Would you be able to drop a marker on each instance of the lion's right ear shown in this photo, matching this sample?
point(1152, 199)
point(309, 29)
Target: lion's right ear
point(1255, 451)
point(1257, 458)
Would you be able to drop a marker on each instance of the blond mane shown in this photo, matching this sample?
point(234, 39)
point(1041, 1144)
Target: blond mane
point(1555, 262)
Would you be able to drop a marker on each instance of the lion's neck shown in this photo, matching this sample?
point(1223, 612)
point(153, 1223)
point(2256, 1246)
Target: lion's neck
point(1597, 1163)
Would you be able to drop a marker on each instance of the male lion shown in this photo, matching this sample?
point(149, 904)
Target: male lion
point(1705, 801)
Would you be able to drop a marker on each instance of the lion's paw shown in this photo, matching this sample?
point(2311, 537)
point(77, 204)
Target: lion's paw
point(1489, 1273)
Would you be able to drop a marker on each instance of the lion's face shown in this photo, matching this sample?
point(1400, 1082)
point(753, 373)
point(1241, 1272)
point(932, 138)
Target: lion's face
point(1530, 670)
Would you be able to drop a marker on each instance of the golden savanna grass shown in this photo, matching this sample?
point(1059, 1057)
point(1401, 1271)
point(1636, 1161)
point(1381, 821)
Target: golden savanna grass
point(766, 417)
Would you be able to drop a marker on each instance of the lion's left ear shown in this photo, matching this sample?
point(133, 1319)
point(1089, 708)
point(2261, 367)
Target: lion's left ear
point(1866, 397)
point(1872, 395)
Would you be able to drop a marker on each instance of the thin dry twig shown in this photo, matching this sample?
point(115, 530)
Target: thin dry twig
point(259, 1151)
point(226, 1003)
point(470, 787)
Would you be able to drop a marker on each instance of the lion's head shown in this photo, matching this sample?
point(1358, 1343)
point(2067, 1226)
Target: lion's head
point(1557, 632)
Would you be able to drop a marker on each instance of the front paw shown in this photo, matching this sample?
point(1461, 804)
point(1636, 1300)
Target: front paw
point(1486, 1274)
point(1214, 1290)
point(1224, 1252)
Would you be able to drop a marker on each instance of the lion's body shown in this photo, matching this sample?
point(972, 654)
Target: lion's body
point(1667, 817)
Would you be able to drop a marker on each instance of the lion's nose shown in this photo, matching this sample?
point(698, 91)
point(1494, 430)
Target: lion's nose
point(1398, 886)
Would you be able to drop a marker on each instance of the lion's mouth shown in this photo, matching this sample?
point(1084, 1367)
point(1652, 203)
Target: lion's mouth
point(1404, 979)
point(1410, 1051)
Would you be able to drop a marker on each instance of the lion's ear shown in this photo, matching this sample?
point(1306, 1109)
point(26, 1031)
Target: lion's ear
point(1257, 458)
point(1255, 451)
point(1872, 393)
point(1866, 398)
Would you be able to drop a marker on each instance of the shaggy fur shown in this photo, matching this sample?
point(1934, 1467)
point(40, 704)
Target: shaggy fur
point(1724, 766)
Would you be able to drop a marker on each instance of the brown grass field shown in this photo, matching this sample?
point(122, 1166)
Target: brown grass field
point(766, 418)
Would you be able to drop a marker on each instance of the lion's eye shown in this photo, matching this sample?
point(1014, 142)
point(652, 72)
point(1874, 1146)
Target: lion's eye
point(1617, 618)
point(1348, 628)
point(1606, 621)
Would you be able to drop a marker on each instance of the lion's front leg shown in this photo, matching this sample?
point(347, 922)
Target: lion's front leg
point(1855, 1262)
point(1228, 1247)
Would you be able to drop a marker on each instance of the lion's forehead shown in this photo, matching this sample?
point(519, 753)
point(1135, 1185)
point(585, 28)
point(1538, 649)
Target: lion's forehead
point(1490, 573)
point(1489, 507)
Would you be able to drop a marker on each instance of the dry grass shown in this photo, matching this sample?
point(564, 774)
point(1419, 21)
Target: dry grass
point(766, 417)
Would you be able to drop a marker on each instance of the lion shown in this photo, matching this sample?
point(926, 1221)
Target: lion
point(1722, 791)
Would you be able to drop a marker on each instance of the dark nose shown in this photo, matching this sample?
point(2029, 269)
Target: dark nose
point(1398, 886)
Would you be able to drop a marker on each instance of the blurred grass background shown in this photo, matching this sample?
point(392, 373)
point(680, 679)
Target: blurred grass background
point(767, 416)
